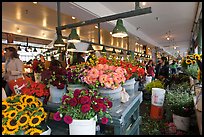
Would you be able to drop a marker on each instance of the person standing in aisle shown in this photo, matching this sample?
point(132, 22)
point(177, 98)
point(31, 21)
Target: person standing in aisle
point(173, 67)
point(150, 69)
point(163, 69)
point(13, 68)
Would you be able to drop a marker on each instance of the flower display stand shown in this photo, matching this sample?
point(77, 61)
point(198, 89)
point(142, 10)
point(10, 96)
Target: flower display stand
point(126, 119)
point(56, 94)
point(129, 86)
point(114, 95)
point(83, 127)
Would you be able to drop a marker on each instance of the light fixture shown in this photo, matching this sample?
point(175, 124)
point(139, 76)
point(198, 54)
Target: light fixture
point(168, 35)
point(168, 38)
point(73, 36)
point(174, 47)
point(103, 50)
point(35, 50)
point(111, 33)
point(148, 48)
point(18, 30)
point(71, 47)
point(143, 3)
point(19, 48)
point(96, 27)
point(114, 52)
point(59, 42)
point(26, 49)
point(35, 2)
point(119, 30)
point(136, 43)
point(73, 17)
point(141, 45)
point(121, 53)
point(128, 52)
point(90, 48)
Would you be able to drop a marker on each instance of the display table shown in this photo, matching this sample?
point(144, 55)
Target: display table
point(125, 117)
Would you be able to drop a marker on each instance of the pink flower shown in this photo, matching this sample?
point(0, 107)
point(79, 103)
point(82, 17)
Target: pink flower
point(99, 67)
point(103, 78)
point(94, 73)
point(68, 119)
point(112, 68)
point(109, 83)
point(101, 72)
point(104, 120)
point(56, 116)
point(105, 67)
point(119, 70)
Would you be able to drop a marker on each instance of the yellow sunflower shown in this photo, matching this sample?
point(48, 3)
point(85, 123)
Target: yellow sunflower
point(39, 102)
point(35, 120)
point(23, 120)
point(188, 56)
point(20, 107)
point(41, 109)
point(34, 104)
point(188, 61)
point(25, 127)
point(12, 114)
point(36, 132)
point(4, 130)
point(11, 131)
point(4, 106)
point(197, 57)
point(193, 61)
point(29, 130)
point(12, 124)
point(43, 116)
point(29, 99)
point(22, 98)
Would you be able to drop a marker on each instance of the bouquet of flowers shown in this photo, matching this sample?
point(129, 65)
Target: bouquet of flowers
point(38, 66)
point(35, 89)
point(56, 76)
point(103, 75)
point(22, 114)
point(83, 105)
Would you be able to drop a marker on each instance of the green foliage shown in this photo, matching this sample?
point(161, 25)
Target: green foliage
point(192, 70)
point(154, 84)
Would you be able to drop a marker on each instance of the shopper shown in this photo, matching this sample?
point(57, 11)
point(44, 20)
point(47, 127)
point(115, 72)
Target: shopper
point(55, 62)
point(162, 70)
point(42, 59)
point(13, 68)
point(173, 67)
point(150, 69)
point(80, 57)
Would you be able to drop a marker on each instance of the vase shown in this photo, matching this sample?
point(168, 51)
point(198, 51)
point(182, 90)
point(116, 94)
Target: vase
point(73, 87)
point(113, 94)
point(182, 123)
point(56, 94)
point(158, 96)
point(83, 127)
point(136, 86)
point(129, 86)
point(37, 77)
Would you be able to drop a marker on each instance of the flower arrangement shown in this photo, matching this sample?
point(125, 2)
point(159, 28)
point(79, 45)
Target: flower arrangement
point(56, 76)
point(83, 105)
point(22, 114)
point(75, 74)
point(103, 75)
point(38, 66)
point(35, 89)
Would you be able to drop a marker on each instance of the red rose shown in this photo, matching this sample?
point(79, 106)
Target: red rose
point(56, 116)
point(110, 104)
point(100, 101)
point(60, 86)
point(76, 93)
point(96, 108)
point(73, 102)
point(102, 106)
point(64, 97)
point(84, 100)
point(104, 120)
point(85, 108)
point(68, 119)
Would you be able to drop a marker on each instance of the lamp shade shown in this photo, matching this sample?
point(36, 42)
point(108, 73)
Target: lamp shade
point(35, 50)
point(119, 30)
point(103, 50)
point(128, 52)
point(59, 42)
point(26, 49)
point(114, 52)
point(71, 47)
point(73, 36)
point(19, 48)
point(121, 53)
point(90, 48)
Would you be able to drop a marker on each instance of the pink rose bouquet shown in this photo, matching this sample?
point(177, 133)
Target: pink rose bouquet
point(83, 105)
point(106, 76)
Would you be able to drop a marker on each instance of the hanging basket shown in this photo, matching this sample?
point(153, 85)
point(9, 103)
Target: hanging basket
point(83, 127)
point(56, 94)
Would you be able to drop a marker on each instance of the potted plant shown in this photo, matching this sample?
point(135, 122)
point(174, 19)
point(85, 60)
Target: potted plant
point(22, 115)
point(55, 79)
point(81, 109)
point(180, 102)
point(38, 68)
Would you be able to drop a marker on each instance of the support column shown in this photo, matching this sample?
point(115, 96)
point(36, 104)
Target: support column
point(200, 37)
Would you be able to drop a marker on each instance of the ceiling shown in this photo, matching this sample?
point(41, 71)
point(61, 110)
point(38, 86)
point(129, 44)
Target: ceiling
point(36, 20)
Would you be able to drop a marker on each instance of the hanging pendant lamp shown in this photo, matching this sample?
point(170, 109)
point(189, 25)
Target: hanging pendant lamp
point(73, 36)
point(35, 50)
point(119, 30)
point(128, 52)
point(59, 42)
point(114, 52)
point(103, 50)
point(90, 48)
point(121, 53)
point(71, 47)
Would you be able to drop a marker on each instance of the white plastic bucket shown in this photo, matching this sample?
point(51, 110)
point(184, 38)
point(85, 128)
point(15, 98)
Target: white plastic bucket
point(158, 96)
point(148, 79)
point(83, 127)
point(56, 94)
point(182, 123)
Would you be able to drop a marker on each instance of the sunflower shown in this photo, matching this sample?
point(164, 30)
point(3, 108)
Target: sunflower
point(43, 116)
point(41, 109)
point(12, 124)
point(25, 127)
point(22, 98)
point(188, 56)
point(35, 104)
point(4, 106)
point(4, 114)
point(193, 61)
point(29, 130)
point(197, 57)
point(4, 129)
point(35, 120)
point(11, 131)
point(20, 107)
point(188, 61)
point(23, 120)
point(12, 113)
point(36, 132)
point(40, 104)
point(29, 99)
